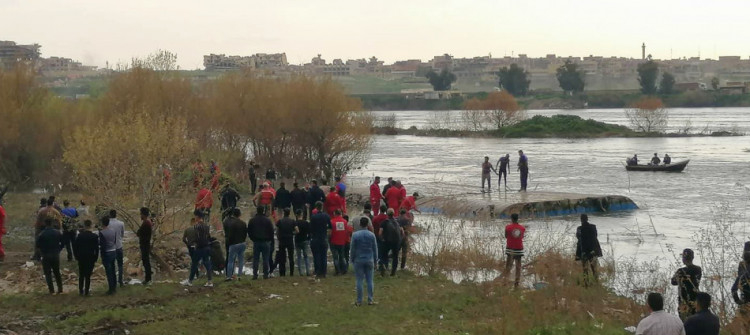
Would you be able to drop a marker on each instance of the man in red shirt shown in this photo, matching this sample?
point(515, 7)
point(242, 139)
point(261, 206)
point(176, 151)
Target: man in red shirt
point(340, 232)
point(204, 201)
point(265, 198)
point(402, 195)
point(514, 233)
point(393, 196)
point(334, 202)
point(375, 196)
point(410, 204)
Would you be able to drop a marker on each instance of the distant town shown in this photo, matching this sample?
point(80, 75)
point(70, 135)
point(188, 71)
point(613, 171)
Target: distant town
point(477, 74)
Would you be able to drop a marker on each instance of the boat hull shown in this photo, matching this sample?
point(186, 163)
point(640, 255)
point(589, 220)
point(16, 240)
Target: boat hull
point(674, 167)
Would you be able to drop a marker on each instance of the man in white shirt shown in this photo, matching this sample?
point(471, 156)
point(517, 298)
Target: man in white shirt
point(659, 322)
point(119, 228)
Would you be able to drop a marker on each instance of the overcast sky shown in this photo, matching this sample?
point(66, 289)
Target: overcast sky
point(96, 31)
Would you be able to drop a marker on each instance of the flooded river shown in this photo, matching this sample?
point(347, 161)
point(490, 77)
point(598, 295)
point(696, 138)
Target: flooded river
point(674, 207)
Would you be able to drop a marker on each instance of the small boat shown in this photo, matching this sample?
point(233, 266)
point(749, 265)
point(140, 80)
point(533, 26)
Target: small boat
point(674, 167)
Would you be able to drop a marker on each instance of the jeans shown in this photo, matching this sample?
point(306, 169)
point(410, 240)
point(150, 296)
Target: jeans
point(146, 260)
point(201, 255)
point(286, 251)
point(236, 252)
point(85, 268)
point(108, 260)
point(319, 248)
point(337, 251)
point(302, 251)
point(264, 248)
point(119, 266)
point(389, 248)
point(363, 271)
point(51, 266)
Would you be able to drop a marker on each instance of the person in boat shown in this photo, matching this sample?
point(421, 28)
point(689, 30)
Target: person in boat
point(655, 160)
point(633, 160)
point(667, 159)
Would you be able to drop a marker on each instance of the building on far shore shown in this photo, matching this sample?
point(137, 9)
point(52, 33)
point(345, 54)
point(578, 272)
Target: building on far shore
point(219, 62)
point(12, 53)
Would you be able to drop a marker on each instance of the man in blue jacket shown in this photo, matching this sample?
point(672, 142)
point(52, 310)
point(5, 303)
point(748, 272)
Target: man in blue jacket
point(364, 256)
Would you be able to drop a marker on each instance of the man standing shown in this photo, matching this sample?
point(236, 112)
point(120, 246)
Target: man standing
point(204, 200)
point(503, 165)
point(260, 231)
point(703, 322)
point(264, 198)
point(144, 242)
point(108, 248)
point(285, 234)
point(69, 216)
point(299, 199)
point(334, 202)
point(229, 198)
point(387, 186)
point(404, 222)
point(320, 228)
point(253, 177)
point(687, 280)
point(523, 167)
point(366, 213)
point(410, 204)
point(315, 194)
point(189, 237)
point(487, 169)
point(119, 228)
point(235, 231)
point(202, 249)
point(659, 322)
point(340, 231)
point(514, 233)
point(364, 256)
point(86, 249)
point(302, 242)
point(392, 235)
point(50, 244)
point(375, 195)
point(588, 249)
point(283, 198)
point(393, 196)
point(47, 212)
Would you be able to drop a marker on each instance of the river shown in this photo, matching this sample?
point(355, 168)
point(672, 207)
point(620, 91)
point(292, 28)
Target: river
point(674, 207)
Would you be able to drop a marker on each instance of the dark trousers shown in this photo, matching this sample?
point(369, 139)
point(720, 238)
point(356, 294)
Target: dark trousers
point(261, 253)
point(404, 249)
point(108, 260)
point(524, 178)
point(339, 264)
point(319, 250)
point(286, 251)
point(37, 253)
point(119, 256)
point(201, 255)
point(146, 260)
point(347, 249)
point(253, 184)
point(502, 173)
point(51, 266)
point(390, 250)
point(68, 237)
point(85, 268)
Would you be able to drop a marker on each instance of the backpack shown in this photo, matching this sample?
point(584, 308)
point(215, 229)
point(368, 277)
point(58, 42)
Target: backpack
point(392, 233)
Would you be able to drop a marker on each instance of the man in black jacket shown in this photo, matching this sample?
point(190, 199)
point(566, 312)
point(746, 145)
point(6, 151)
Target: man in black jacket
point(299, 199)
point(86, 250)
point(320, 229)
point(260, 231)
point(144, 241)
point(285, 233)
point(315, 194)
point(229, 198)
point(283, 198)
point(50, 243)
point(588, 249)
point(703, 322)
point(235, 231)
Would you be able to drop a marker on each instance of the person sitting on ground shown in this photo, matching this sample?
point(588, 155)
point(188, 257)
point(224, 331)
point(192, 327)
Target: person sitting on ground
point(364, 256)
point(659, 322)
point(703, 322)
point(687, 279)
point(588, 249)
point(667, 159)
point(655, 160)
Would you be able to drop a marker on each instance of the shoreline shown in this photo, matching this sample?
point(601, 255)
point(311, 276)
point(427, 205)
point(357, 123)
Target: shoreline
point(413, 131)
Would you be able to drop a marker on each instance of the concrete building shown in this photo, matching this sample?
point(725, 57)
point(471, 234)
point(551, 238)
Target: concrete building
point(12, 53)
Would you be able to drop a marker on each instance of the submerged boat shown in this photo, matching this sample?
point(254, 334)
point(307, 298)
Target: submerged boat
point(674, 167)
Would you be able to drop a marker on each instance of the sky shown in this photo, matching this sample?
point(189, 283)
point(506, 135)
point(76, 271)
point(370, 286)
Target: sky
point(99, 31)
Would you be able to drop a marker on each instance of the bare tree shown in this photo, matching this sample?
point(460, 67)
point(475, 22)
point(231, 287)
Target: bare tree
point(648, 115)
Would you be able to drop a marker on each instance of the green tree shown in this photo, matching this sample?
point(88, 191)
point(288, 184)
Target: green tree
point(514, 80)
point(666, 85)
point(647, 73)
point(442, 81)
point(570, 77)
point(715, 83)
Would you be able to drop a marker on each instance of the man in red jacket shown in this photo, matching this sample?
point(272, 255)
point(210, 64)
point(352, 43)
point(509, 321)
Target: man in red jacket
point(514, 233)
point(410, 204)
point(393, 196)
point(334, 202)
point(375, 196)
point(340, 232)
point(204, 201)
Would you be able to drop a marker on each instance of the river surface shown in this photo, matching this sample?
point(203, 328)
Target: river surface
point(674, 207)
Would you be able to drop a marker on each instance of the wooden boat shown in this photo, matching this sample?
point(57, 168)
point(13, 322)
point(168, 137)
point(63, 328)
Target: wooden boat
point(674, 167)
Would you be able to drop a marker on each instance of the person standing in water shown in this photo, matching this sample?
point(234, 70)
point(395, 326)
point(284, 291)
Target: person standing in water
point(487, 168)
point(523, 167)
point(503, 168)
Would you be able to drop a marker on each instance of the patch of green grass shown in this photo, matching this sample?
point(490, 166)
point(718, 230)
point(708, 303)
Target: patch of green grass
point(566, 126)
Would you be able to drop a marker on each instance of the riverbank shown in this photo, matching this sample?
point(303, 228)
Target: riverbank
point(556, 126)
